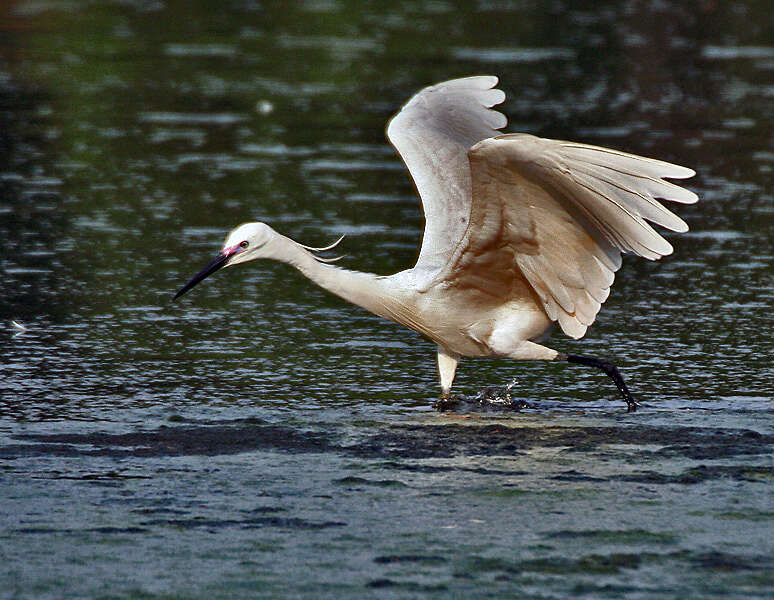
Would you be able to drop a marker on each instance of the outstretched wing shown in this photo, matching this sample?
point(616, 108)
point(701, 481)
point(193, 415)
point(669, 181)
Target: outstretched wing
point(559, 214)
point(433, 133)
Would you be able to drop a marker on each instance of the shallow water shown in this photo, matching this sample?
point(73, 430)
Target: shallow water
point(260, 437)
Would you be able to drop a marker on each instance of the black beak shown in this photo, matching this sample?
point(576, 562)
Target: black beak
point(217, 263)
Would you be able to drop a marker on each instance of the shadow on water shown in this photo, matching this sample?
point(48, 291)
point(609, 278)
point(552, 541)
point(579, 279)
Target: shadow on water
point(410, 441)
point(536, 485)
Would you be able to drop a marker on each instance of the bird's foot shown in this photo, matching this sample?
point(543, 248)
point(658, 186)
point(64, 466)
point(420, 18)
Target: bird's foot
point(611, 371)
point(631, 404)
point(447, 402)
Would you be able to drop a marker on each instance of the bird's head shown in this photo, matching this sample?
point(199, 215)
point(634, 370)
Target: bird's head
point(247, 242)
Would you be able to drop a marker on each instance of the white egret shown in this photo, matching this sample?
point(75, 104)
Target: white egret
point(520, 233)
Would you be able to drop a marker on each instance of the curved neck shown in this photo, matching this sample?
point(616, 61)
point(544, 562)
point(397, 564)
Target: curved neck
point(364, 289)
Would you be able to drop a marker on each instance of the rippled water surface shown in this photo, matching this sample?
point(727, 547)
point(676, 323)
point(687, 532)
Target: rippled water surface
point(261, 438)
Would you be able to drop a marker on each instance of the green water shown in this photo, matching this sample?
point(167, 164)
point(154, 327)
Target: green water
point(260, 438)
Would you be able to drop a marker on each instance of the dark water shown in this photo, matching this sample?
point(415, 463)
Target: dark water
point(261, 438)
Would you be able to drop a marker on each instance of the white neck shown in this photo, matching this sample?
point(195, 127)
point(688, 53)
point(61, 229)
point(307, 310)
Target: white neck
point(364, 289)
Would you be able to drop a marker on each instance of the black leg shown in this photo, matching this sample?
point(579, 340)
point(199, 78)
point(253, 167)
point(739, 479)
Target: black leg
point(612, 371)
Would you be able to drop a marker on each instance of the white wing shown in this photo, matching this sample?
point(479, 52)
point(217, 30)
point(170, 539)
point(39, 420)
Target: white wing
point(432, 134)
point(558, 215)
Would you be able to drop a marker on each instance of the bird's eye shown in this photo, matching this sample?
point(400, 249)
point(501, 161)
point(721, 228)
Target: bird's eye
point(244, 244)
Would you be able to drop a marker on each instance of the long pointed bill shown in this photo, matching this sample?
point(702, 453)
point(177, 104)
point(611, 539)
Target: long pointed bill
point(217, 263)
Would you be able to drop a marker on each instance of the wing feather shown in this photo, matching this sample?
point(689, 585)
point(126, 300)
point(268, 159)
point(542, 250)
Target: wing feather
point(432, 133)
point(564, 212)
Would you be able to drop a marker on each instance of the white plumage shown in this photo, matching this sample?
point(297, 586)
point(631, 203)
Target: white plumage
point(520, 231)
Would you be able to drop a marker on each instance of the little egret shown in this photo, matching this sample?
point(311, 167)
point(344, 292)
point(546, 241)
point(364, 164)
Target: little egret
point(520, 232)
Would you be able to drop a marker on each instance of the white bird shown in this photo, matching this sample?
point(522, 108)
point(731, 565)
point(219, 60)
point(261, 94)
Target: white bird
point(521, 232)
